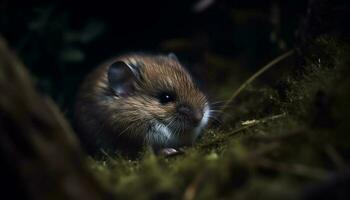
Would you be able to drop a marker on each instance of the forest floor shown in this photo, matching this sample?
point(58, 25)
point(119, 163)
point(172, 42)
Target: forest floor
point(287, 140)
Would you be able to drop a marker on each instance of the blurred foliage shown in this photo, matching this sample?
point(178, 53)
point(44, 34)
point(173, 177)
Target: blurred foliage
point(294, 143)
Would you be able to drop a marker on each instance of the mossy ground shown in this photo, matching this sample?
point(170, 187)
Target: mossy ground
point(295, 142)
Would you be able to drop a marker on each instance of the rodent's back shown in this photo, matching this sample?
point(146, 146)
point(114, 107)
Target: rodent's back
point(88, 115)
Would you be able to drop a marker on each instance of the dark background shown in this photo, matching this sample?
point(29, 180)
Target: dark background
point(61, 41)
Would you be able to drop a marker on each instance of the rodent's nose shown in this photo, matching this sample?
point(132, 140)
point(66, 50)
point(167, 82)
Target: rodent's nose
point(194, 116)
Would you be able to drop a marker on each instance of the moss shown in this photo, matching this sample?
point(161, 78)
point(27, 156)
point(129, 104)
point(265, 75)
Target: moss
point(272, 158)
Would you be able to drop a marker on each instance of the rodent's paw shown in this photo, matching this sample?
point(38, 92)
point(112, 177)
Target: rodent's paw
point(166, 152)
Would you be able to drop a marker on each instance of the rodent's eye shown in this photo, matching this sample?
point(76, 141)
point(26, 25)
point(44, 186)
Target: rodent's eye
point(166, 97)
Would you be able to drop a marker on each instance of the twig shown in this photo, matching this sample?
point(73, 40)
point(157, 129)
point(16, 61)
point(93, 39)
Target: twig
point(253, 77)
point(263, 120)
point(244, 127)
point(335, 157)
point(192, 188)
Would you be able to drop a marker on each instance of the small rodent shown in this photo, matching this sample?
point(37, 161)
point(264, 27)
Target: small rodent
point(139, 99)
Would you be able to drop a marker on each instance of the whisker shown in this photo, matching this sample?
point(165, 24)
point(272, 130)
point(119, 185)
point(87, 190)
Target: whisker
point(215, 119)
point(167, 126)
point(221, 101)
point(215, 111)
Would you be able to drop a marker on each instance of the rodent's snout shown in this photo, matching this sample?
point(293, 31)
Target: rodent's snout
point(194, 116)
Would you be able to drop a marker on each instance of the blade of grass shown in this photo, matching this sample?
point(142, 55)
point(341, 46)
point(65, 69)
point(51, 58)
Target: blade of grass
point(253, 77)
point(223, 138)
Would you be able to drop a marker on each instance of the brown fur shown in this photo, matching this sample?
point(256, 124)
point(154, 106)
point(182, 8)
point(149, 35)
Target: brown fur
point(105, 119)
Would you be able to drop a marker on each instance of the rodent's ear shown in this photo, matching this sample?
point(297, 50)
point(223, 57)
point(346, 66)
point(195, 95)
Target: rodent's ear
point(173, 56)
point(121, 77)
